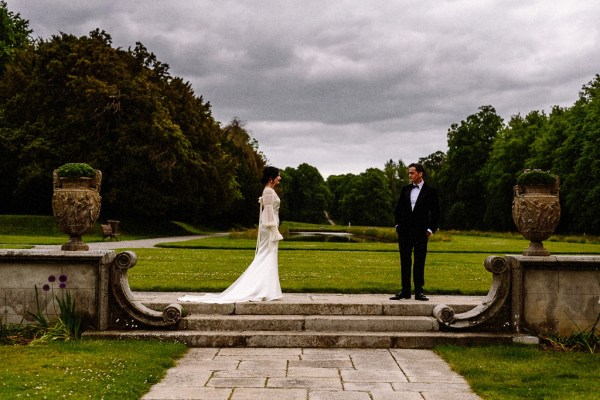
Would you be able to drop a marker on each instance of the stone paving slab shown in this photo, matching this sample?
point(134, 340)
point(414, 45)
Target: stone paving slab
point(311, 374)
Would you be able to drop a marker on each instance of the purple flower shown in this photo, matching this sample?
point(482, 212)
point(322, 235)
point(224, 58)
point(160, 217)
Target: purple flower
point(62, 285)
point(62, 278)
point(51, 278)
point(46, 287)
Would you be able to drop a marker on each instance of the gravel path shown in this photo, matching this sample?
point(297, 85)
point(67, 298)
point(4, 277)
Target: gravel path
point(142, 243)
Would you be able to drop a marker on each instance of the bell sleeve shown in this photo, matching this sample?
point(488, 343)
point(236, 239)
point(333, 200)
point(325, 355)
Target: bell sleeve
point(268, 219)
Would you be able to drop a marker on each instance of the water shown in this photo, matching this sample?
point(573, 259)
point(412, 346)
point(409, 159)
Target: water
point(324, 237)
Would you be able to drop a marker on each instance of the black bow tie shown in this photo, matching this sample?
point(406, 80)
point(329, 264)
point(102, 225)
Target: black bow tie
point(415, 186)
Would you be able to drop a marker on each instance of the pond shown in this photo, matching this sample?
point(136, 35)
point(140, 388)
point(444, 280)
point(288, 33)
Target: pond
point(325, 237)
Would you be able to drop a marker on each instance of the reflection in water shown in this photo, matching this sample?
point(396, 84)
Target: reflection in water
point(324, 237)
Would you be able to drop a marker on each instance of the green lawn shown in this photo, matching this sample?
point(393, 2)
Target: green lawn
point(308, 270)
point(525, 372)
point(454, 265)
point(85, 369)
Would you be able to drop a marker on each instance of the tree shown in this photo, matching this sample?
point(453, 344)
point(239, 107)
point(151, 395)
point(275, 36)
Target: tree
point(305, 194)
point(14, 33)
point(507, 158)
point(397, 176)
point(368, 200)
point(70, 99)
point(583, 182)
point(433, 164)
point(461, 181)
point(339, 186)
point(248, 171)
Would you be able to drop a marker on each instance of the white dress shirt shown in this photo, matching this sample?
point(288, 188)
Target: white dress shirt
point(414, 194)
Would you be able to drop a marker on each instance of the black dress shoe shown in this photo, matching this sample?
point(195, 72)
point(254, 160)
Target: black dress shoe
point(400, 296)
point(421, 297)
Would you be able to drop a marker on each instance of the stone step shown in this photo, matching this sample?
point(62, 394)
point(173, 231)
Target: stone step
point(311, 320)
point(316, 304)
point(316, 323)
point(408, 340)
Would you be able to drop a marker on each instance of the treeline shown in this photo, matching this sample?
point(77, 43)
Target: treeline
point(164, 156)
point(79, 99)
point(477, 174)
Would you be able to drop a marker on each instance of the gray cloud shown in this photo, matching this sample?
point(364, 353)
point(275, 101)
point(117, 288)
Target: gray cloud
point(347, 85)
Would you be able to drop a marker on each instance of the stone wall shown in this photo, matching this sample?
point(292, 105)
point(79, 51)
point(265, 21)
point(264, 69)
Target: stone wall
point(85, 275)
point(556, 295)
point(32, 280)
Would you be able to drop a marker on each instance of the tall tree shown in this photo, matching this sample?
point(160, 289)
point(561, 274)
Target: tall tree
point(433, 164)
point(368, 200)
point(397, 176)
point(14, 34)
point(305, 194)
point(583, 150)
point(249, 164)
point(463, 188)
point(339, 186)
point(548, 150)
point(508, 157)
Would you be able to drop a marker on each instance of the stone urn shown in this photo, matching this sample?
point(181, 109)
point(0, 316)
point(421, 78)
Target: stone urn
point(536, 212)
point(76, 206)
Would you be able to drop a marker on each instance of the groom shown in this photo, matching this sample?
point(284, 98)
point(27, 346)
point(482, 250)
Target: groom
point(417, 215)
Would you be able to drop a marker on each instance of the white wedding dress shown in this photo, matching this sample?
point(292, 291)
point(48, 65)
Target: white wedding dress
point(260, 281)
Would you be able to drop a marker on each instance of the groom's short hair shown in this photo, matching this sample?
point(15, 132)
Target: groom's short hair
point(418, 167)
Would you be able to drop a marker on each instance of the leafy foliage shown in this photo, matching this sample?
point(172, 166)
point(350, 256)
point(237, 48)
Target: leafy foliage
point(68, 324)
point(536, 177)
point(306, 197)
point(76, 170)
point(485, 157)
point(462, 182)
point(162, 154)
point(14, 33)
point(248, 173)
point(396, 175)
point(68, 315)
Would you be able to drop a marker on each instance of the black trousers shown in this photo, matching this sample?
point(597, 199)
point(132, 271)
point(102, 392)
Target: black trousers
point(408, 245)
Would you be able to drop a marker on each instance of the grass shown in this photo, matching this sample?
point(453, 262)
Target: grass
point(24, 231)
point(451, 243)
point(306, 270)
point(85, 369)
point(454, 264)
point(525, 372)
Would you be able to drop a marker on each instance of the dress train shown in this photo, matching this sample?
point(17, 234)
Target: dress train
point(260, 281)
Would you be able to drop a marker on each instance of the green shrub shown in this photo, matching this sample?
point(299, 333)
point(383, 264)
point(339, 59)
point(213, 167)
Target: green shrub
point(76, 170)
point(536, 177)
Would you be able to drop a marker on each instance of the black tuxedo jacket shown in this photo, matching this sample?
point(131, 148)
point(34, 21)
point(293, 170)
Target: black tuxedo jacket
point(426, 214)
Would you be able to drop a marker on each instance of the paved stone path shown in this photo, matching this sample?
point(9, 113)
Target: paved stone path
point(129, 244)
point(311, 374)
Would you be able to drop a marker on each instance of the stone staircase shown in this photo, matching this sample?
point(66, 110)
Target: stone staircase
point(312, 320)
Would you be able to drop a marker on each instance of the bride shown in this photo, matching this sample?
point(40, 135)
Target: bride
point(260, 281)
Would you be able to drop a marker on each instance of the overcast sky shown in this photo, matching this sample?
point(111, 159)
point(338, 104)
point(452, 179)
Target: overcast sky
point(347, 85)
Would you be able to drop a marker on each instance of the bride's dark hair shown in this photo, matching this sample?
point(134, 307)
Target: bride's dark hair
point(268, 174)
